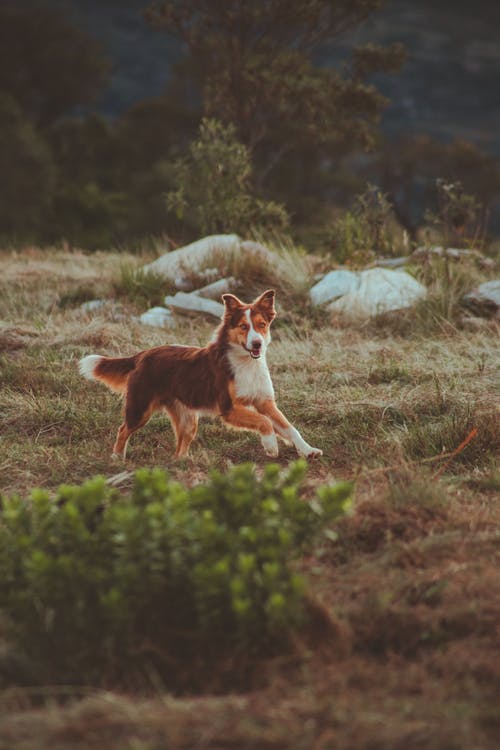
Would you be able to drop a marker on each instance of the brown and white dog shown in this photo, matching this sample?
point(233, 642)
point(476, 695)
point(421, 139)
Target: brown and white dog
point(228, 378)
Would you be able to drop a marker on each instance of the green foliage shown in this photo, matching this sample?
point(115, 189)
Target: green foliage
point(445, 433)
point(414, 172)
point(213, 192)
point(145, 288)
point(460, 218)
point(99, 586)
point(366, 231)
point(28, 174)
point(255, 66)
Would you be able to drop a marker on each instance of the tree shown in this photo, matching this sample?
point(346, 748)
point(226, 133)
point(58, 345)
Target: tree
point(254, 66)
point(28, 174)
point(47, 65)
point(408, 171)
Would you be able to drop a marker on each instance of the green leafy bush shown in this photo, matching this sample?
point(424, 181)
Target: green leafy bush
point(97, 586)
point(366, 231)
point(213, 186)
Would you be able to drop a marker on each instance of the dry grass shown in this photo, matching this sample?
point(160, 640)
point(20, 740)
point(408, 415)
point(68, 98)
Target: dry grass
point(411, 583)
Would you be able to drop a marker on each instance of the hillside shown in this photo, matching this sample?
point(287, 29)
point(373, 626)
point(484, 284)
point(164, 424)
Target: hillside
point(447, 89)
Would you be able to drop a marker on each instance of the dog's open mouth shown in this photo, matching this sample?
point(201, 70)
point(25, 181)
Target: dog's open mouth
point(254, 352)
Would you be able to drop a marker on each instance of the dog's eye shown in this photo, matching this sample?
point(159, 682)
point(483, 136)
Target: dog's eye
point(261, 325)
point(244, 327)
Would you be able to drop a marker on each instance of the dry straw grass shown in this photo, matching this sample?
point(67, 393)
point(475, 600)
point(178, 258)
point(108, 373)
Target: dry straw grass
point(411, 580)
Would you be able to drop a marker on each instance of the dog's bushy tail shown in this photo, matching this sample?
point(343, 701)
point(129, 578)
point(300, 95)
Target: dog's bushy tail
point(113, 371)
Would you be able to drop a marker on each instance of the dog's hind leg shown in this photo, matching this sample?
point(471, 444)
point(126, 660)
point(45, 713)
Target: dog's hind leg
point(137, 413)
point(185, 424)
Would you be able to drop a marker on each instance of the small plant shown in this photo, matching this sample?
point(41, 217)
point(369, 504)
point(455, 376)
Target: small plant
point(387, 370)
point(445, 433)
point(99, 586)
point(361, 234)
point(460, 219)
point(144, 288)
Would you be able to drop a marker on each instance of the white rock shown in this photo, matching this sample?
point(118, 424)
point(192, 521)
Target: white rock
point(334, 284)
point(218, 288)
point(249, 247)
point(486, 297)
point(193, 257)
point(179, 264)
point(93, 304)
point(157, 316)
point(380, 290)
point(192, 303)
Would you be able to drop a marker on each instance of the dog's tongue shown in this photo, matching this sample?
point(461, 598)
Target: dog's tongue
point(255, 353)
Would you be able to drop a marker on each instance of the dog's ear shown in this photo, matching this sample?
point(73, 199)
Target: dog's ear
point(231, 303)
point(266, 303)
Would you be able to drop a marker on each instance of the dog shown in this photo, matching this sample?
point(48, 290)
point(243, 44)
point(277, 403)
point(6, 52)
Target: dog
point(228, 378)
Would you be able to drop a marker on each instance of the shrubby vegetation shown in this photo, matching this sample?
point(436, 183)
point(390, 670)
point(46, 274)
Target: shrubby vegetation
point(98, 586)
point(276, 149)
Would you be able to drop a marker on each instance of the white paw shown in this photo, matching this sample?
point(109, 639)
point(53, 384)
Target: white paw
point(314, 453)
point(309, 452)
point(117, 457)
point(270, 445)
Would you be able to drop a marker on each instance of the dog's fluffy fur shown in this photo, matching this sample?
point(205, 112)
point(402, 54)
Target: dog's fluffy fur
point(229, 378)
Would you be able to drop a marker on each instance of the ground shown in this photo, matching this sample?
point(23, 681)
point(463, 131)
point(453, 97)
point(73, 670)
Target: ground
point(408, 583)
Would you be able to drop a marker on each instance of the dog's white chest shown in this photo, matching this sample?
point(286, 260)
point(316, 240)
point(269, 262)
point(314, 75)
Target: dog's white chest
point(251, 378)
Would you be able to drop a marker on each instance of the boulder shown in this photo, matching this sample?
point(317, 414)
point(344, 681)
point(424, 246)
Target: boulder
point(335, 284)
point(379, 290)
point(193, 303)
point(195, 257)
point(485, 299)
point(216, 289)
point(159, 317)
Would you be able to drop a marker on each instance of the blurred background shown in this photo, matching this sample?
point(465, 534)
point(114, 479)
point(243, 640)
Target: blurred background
point(124, 123)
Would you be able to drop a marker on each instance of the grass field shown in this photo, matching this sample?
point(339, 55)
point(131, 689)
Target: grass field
point(410, 586)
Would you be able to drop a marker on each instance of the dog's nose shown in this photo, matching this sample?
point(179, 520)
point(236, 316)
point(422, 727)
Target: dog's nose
point(256, 344)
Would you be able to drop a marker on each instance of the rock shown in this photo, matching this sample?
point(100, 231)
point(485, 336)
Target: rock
point(379, 290)
point(452, 253)
point(392, 262)
point(474, 323)
point(218, 288)
point(485, 299)
point(193, 303)
point(335, 284)
point(217, 249)
point(189, 283)
point(93, 305)
point(249, 247)
point(193, 257)
point(159, 317)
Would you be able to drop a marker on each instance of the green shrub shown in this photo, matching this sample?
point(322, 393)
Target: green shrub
point(366, 231)
point(144, 288)
point(99, 587)
point(214, 190)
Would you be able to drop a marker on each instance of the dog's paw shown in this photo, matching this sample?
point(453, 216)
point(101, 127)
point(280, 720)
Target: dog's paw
point(270, 445)
point(314, 453)
point(117, 457)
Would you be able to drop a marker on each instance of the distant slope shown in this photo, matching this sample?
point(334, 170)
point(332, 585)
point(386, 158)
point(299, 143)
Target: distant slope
point(449, 88)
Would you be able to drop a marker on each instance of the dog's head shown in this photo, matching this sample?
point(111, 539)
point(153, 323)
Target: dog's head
point(248, 326)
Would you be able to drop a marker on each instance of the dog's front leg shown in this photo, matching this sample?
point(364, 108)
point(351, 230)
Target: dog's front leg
point(246, 419)
point(286, 430)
